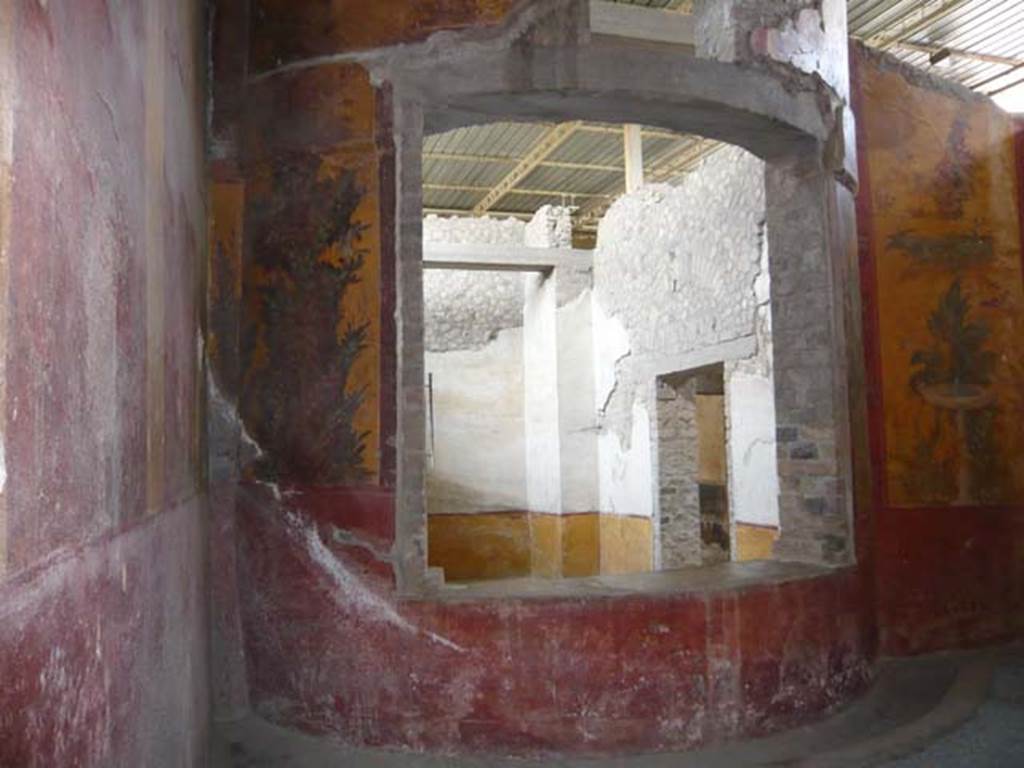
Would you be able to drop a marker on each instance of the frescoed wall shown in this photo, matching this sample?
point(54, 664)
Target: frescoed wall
point(103, 652)
point(946, 240)
point(942, 277)
point(311, 322)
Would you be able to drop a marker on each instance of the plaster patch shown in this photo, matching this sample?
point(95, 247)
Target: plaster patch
point(753, 469)
point(800, 41)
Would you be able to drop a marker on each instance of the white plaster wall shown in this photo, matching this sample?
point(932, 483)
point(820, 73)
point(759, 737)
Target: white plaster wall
point(753, 468)
point(474, 347)
point(626, 476)
point(750, 419)
point(479, 448)
point(576, 413)
point(540, 362)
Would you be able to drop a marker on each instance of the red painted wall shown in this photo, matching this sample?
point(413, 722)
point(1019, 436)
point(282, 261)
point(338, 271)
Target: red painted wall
point(102, 215)
point(331, 649)
point(948, 575)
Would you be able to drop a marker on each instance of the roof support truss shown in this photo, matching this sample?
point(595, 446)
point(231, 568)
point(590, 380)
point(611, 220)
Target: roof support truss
point(551, 140)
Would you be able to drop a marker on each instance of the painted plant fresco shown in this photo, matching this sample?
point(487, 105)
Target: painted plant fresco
point(947, 247)
point(303, 335)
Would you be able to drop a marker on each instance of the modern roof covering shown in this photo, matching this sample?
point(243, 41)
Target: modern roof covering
point(514, 168)
point(979, 43)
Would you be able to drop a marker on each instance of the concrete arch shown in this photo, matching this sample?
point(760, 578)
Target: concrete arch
point(608, 82)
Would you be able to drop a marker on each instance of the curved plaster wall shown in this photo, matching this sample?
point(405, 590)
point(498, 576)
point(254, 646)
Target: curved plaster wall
point(585, 674)
point(334, 642)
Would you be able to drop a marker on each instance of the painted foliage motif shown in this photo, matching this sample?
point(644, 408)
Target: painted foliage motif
point(946, 239)
point(310, 332)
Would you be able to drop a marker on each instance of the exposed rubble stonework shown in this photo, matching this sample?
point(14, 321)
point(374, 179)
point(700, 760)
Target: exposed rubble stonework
point(677, 265)
point(683, 271)
point(679, 494)
point(465, 309)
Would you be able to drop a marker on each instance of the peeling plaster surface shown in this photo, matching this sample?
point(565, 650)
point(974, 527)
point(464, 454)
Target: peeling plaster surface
point(676, 270)
point(348, 590)
point(523, 676)
point(611, 345)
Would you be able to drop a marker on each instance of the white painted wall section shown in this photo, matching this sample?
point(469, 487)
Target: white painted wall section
point(626, 471)
point(753, 466)
point(540, 363)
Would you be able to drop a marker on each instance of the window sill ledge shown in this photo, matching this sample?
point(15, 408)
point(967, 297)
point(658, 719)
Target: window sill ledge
point(696, 580)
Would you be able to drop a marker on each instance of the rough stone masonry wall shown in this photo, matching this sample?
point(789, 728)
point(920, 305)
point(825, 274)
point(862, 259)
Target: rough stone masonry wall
point(677, 265)
point(679, 497)
point(465, 309)
point(675, 271)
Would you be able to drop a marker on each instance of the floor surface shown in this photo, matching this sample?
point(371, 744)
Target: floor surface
point(963, 709)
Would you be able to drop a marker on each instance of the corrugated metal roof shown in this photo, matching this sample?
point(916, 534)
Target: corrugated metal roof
point(979, 43)
point(586, 169)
